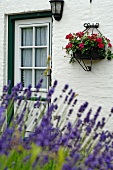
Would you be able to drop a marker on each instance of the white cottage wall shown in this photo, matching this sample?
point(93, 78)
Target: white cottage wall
point(96, 86)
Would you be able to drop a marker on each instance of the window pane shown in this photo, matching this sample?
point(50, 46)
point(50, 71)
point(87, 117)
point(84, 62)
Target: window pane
point(26, 77)
point(26, 58)
point(41, 57)
point(41, 36)
point(38, 75)
point(27, 37)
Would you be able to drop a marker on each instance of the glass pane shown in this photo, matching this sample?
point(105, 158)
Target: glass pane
point(53, 7)
point(26, 77)
point(39, 74)
point(41, 36)
point(41, 57)
point(27, 37)
point(26, 58)
point(58, 7)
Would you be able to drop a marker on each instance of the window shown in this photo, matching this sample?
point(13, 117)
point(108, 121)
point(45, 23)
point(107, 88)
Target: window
point(32, 48)
point(29, 44)
point(21, 52)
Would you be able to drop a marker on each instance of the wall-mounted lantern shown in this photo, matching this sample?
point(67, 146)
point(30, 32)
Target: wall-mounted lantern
point(57, 8)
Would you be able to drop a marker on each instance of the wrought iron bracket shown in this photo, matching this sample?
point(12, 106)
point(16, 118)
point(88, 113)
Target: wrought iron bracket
point(88, 25)
point(83, 65)
point(91, 26)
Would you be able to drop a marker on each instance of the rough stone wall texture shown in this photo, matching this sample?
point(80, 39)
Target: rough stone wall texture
point(95, 86)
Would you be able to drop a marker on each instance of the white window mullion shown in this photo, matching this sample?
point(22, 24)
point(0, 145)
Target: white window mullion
point(35, 68)
point(48, 52)
point(33, 60)
point(33, 71)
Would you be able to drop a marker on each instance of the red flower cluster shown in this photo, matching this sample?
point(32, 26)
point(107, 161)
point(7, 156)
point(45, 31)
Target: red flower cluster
point(107, 40)
point(99, 40)
point(81, 46)
point(94, 37)
point(69, 45)
point(69, 36)
point(110, 45)
point(100, 45)
point(79, 34)
point(85, 43)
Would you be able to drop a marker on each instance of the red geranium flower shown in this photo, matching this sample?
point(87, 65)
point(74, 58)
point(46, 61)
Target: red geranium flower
point(79, 34)
point(81, 46)
point(95, 35)
point(100, 45)
point(69, 45)
point(110, 45)
point(107, 40)
point(89, 37)
point(69, 36)
point(99, 40)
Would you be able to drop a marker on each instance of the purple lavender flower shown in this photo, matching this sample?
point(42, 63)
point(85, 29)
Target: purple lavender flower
point(66, 98)
point(27, 158)
point(80, 153)
point(67, 167)
point(29, 86)
point(70, 92)
point(55, 83)
point(71, 98)
point(38, 86)
point(74, 103)
point(65, 87)
point(2, 110)
point(70, 112)
point(28, 94)
point(83, 107)
point(41, 81)
point(112, 110)
point(87, 118)
point(5, 89)
point(88, 129)
point(55, 100)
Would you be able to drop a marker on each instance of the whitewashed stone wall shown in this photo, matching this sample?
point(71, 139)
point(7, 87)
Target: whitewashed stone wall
point(95, 86)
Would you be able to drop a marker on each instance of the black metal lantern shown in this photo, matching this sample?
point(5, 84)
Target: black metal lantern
point(57, 8)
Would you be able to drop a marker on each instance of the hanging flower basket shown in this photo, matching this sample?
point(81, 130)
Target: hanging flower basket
point(94, 55)
point(84, 46)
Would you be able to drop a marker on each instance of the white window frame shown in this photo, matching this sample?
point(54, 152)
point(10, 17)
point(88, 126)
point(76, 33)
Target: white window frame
point(17, 63)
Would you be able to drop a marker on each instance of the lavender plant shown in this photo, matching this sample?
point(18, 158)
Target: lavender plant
point(54, 143)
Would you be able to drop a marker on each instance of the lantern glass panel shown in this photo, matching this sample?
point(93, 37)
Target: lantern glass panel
point(58, 7)
point(53, 7)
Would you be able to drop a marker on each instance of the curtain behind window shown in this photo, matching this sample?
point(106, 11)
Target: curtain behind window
point(39, 56)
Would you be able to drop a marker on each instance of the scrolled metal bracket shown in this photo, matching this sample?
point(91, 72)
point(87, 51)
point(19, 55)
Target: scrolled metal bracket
point(91, 26)
point(88, 25)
